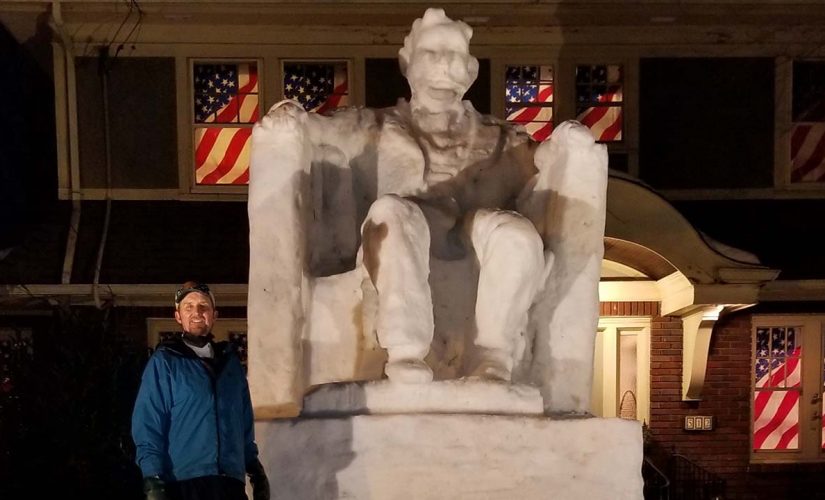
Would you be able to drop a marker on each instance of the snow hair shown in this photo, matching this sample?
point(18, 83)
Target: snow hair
point(432, 17)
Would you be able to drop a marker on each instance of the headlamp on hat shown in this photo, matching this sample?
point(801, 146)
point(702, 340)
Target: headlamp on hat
point(189, 287)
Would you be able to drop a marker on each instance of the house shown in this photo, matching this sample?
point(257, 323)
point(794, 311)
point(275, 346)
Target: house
point(121, 183)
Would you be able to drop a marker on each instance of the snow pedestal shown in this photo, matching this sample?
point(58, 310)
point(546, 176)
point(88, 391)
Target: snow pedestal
point(361, 441)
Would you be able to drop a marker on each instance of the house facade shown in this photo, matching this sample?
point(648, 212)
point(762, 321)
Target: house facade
point(128, 175)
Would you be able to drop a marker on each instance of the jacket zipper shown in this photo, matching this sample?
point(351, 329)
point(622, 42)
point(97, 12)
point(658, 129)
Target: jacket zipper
point(217, 423)
point(213, 376)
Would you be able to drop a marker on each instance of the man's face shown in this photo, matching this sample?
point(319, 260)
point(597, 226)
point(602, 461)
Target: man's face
point(441, 68)
point(196, 314)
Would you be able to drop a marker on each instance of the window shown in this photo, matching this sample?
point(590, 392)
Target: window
point(231, 329)
point(226, 101)
point(808, 122)
point(16, 349)
point(529, 99)
point(621, 369)
point(787, 388)
point(318, 87)
point(599, 100)
point(226, 104)
point(383, 83)
point(692, 135)
point(141, 104)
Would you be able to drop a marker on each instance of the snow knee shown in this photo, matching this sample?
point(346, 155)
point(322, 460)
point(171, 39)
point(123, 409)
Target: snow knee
point(512, 235)
point(391, 208)
point(572, 133)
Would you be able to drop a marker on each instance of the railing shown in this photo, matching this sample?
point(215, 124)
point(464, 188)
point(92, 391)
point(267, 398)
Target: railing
point(689, 481)
point(672, 476)
point(657, 485)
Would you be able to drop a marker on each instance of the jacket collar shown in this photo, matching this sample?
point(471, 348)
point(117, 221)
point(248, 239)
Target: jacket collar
point(223, 350)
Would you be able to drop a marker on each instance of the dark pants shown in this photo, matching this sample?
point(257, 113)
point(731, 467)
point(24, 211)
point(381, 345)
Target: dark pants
point(207, 488)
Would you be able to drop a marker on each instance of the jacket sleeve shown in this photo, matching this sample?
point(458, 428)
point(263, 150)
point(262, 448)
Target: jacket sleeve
point(250, 448)
point(150, 418)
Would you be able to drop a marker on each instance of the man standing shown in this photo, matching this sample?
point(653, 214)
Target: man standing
point(193, 423)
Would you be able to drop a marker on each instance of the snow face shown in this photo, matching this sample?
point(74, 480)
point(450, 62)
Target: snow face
point(437, 63)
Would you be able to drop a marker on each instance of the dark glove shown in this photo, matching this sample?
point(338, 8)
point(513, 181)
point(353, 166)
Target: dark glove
point(260, 484)
point(154, 488)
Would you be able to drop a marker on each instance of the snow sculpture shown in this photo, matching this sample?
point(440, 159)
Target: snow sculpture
point(425, 238)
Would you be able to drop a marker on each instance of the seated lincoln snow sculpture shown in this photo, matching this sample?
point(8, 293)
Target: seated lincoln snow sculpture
point(434, 179)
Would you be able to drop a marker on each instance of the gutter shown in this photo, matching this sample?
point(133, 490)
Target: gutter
point(66, 113)
point(793, 291)
point(104, 64)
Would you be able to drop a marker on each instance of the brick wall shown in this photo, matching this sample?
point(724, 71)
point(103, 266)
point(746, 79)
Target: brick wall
point(629, 309)
point(726, 396)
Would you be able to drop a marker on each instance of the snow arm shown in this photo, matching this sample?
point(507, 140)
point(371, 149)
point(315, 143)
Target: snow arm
point(279, 191)
point(567, 203)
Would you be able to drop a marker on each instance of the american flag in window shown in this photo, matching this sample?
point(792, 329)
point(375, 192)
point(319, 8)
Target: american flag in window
point(808, 127)
point(317, 87)
point(777, 388)
point(529, 99)
point(599, 100)
point(226, 104)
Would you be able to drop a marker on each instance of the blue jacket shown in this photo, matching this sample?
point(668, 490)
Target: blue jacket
point(193, 417)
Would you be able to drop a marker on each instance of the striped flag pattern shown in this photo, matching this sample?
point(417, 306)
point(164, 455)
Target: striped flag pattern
point(599, 100)
point(808, 152)
point(317, 87)
point(222, 155)
point(778, 371)
point(604, 121)
point(808, 120)
point(529, 99)
point(224, 94)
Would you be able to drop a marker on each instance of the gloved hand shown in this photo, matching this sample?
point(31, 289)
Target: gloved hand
point(154, 488)
point(260, 484)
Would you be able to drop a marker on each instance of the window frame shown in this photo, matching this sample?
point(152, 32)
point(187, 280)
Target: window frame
point(784, 125)
point(810, 440)
point(554, 119)
point(186, 141)
point(564, 93)
point(270, 69)
point(622, 105)
point(282, 61)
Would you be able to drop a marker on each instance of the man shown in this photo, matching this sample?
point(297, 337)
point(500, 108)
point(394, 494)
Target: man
point(193, 423)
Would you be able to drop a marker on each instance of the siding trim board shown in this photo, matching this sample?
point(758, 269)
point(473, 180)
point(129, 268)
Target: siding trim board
point(129, 295)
